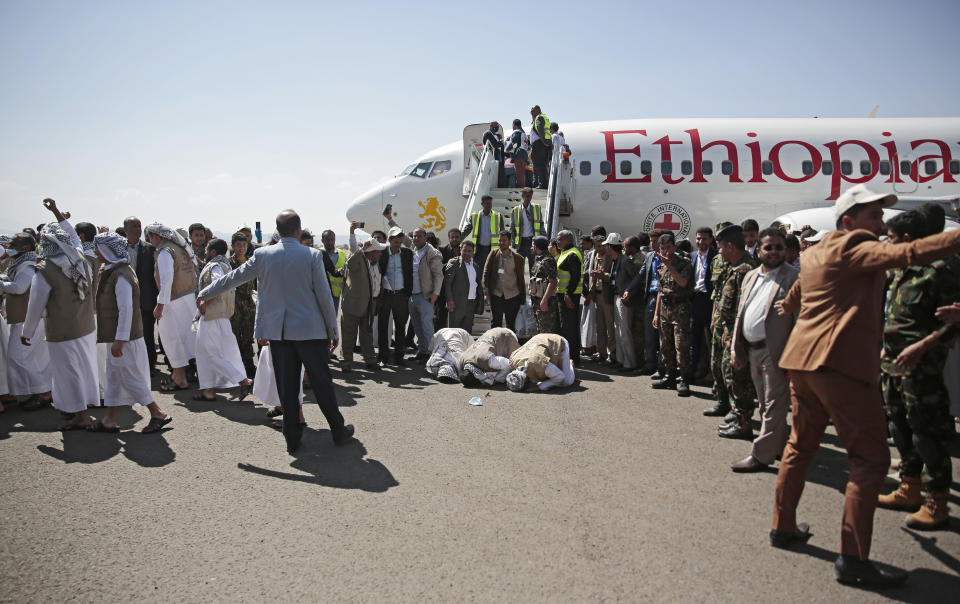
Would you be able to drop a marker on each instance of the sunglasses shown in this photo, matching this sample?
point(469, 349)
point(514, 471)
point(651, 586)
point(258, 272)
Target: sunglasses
point(770, 248)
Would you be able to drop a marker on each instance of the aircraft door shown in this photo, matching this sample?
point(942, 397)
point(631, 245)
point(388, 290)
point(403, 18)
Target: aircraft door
point(909, 184)
point(472, 150)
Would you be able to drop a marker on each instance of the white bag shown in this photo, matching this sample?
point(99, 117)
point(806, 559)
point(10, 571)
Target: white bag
point(526, 322)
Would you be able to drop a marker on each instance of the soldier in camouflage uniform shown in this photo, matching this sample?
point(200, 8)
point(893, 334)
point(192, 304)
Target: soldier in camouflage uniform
point(718, 274)
point(738, 383)
point(244, 309)
point(916, 400)
point(543, 287)
point(672, 315)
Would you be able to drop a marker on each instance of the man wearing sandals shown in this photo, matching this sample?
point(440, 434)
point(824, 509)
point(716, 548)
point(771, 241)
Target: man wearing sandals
point(119, 325)
point(219, 364)
point(62, 286)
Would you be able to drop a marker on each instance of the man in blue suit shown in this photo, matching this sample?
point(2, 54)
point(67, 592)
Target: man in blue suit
point(702, 304)
point(295, 312)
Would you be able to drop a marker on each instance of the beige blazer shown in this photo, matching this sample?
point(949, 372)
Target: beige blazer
point(430, 271)
point(777, 326)
point(840, 297)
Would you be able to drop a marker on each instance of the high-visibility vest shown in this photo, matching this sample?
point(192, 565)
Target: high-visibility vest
point(563, 277)
point(336, 281)
point(517, 222)
point(496, 225)
point(546, 127)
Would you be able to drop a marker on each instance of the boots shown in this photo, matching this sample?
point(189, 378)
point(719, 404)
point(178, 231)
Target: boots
point(932, 515)
point(907, 497)
point(669, 381)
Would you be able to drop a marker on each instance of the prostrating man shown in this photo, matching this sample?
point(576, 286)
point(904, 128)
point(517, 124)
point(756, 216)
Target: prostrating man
point(543, 288)
point(338, 258)
point(28, 367)
point(484, 227)
point(672, 315)
point(503, 283)
point(622, 272)
point(61, 288)
point(361, 289)
point(244, 308)
point(127, 376)
point(541, 146)
point(141, 258)
point(218, 356)
point(915, 349)
point(427, 282)
point(544, 360)
point(600, 294)
point(198, 243)
point(833, 356)
point(446, 348)
point(526, 222)
point(569, 287)
point(396, 266)
point(759, 335)
point(701, 304)
point(737, 381)
point(176, 278)
point(296, 314)
point(462, 288)
point(487, 361)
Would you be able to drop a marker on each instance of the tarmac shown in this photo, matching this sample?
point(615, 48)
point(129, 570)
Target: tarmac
point(605, 491)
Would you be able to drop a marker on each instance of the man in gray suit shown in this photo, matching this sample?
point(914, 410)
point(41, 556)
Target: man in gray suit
point(295, 312)
point(760, 334)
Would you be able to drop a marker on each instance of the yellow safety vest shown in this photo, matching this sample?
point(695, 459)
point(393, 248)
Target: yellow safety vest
point(546, 126)
point(336, 281)
point(496, 225)
point(516, 220)
point(563, 277)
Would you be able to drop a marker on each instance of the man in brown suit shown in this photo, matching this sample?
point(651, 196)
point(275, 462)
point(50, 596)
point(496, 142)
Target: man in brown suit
point(833, 356)
point(358, 302)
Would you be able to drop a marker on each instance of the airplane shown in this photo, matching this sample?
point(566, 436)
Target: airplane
point(679, 174)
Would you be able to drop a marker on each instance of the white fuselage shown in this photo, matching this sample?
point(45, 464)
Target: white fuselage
point(679, 174)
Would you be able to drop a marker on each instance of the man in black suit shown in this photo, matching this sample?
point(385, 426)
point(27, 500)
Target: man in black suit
point(702, 304)
point(451, 250)
point(396, 268)
point(642, 293)
point(141, 260)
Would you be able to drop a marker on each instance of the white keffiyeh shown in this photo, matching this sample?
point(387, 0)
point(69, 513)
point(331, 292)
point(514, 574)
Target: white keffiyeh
point(55, 247)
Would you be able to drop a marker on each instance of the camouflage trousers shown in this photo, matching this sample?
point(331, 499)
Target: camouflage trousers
point(716, 365)
point(675, 337)
point(548, 321)
point(244, 312)
point(918, 416)
point(738, 382)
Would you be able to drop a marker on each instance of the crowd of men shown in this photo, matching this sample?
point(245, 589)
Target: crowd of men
point(769, 319)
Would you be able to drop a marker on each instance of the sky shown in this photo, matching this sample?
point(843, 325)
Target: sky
point(228, 112)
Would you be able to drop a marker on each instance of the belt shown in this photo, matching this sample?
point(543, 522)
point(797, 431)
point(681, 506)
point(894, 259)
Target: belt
point(392, 292)
point(757, 345)
point(699, 293)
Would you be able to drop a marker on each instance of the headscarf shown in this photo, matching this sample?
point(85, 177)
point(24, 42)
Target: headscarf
point(19, 262)
point(56, 247)
point(447, 374)
point(88, 249)
point(167, 233)
point(517, 379)
point(112, 247)
point(5, 240)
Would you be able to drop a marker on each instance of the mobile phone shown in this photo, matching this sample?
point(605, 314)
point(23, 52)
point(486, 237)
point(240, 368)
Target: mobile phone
point(388, 208)
point(360, 225)
point(258, 225)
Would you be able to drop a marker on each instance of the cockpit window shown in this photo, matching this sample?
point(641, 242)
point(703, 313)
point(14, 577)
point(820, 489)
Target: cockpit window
point(421, 170)
point(440, 167)
point(408, 169)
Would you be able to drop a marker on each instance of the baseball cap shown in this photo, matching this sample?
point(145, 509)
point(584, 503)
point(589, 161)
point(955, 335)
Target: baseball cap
point(858, 195)
point(613, 239)
point(372, 245)
point(395, 232)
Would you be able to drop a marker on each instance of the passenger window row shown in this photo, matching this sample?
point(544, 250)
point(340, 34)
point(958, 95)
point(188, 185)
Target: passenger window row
point(930, 167)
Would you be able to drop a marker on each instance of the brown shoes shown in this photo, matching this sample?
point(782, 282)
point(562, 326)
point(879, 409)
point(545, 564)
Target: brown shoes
point(907, 497)
point(749, 464)
point(933, 515)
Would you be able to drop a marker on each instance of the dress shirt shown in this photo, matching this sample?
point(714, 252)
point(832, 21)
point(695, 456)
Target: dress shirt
point(755, 311)
point(483, 237)
point(393, 280)
point(655, 277)
point(526, 220)
point(700, 273)
point(472, 277)
point(417, 256)
point(132, 255)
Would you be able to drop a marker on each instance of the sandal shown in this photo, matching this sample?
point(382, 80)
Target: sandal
point(156, 424)
point(35, 403)
point(199, 396)
point(73, 425)
point(172, 386)
point(245, 390)
point(274, 412)
point(98, 426)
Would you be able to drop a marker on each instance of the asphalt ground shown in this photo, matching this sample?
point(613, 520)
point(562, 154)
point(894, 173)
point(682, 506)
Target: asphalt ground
point(607, 490)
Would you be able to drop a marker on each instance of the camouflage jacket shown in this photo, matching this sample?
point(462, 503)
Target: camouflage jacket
point(669, 286)
point(726, 307)
point(718, 270)
point(913, 296)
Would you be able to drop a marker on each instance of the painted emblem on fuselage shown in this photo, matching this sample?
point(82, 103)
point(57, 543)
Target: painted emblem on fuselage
point(434, 215)
point(668, 217)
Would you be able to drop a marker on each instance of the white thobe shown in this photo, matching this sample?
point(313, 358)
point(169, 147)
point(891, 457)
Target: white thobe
point(28, 367)
point(265, 386)
point(175, 326)
point(127, 378)
point(218, 357)
point(4, 334)
point(559, 376)
point(447, 348)
point(499, 369)
point(74, 375)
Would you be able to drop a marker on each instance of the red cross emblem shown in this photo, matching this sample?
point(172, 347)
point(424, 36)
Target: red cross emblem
point(668, 223)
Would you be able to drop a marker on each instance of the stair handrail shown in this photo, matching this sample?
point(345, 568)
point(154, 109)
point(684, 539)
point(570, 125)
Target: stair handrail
point(553, 212)
point(475, 193)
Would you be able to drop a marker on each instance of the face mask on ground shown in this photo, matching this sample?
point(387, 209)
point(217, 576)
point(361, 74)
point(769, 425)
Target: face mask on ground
point(11, 252)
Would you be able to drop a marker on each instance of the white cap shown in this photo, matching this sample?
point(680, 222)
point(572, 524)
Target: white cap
point(613, 239)
point(858, 195)
point(815, 238)
point(372, 245)
point(395, 232)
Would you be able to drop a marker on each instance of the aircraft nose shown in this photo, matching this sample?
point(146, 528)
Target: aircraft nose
point(366, 205)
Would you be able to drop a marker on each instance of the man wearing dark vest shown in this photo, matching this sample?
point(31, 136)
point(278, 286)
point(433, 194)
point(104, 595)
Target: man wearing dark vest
point(140, 257)
point(62, 288)
point(127, 376)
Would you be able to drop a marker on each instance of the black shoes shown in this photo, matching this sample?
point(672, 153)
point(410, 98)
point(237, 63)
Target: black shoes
point(682, 388)
point(344, 437)
point(717, 410)
point(291, 449)
point(862, 573)
point(648, 371)
point(736, 432)
point(785, 540)
point(665, 384)
point(346, 367)
point(377, 365)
